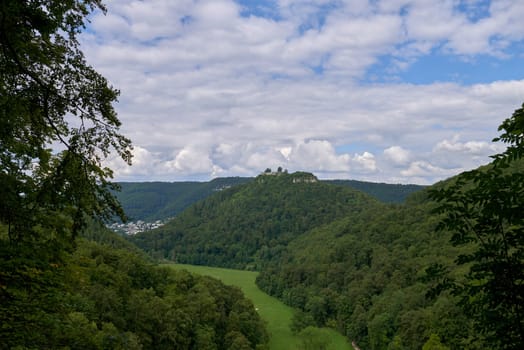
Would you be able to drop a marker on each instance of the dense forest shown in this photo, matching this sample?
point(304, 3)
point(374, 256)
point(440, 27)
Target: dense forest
point(340, 257)
point(150, 201)
point(106, 295)
point(365, 275)
point(387, 193)
point(249, 225)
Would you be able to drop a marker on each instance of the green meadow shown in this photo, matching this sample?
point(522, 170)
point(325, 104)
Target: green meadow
point(276, 315)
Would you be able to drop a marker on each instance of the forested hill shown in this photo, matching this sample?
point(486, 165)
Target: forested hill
point(250, 224)
point(363, 274)
point(151, 201)
point(396, 278)
point(341, 257)
point(387, 193)
point(104, 294)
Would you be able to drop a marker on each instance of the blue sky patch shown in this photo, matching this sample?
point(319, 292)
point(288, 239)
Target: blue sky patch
point(439, 67)
point(258, 8)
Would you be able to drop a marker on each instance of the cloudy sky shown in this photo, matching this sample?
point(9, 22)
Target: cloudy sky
point(398, 91)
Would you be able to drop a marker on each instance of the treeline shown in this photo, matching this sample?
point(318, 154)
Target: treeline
point(251, 224)
point(150, 201)
point(103, 296)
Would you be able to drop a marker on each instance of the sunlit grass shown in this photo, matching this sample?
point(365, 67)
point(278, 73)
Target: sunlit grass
point(276, 315)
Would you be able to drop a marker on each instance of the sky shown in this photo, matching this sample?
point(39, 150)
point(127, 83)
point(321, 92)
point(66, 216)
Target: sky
point(395, 91)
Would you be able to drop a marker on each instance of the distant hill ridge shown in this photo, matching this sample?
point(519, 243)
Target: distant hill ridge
point(150, 201)
point(248, 224)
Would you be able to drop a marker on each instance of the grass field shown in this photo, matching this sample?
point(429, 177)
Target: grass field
point(275, 313)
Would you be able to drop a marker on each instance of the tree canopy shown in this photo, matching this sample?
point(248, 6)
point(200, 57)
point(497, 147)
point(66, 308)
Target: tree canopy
point(250, 224)
point(57, 121)
point(484, 209)
point(57, 125)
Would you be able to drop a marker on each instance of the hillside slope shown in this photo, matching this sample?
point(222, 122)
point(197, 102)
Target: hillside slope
point(387, 193)
point(150, 201)
point(103, 294)
point(364, 274)
point(344, 260)
point(248, 225)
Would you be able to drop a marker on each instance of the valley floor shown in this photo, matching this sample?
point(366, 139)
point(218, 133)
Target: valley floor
point(276, 314)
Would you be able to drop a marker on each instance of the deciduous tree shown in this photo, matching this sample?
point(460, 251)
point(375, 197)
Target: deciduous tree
point(484, 209)
point(50, 100)
point(57, 126)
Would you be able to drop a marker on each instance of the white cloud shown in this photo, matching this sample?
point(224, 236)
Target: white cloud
point(319, 155)
point(365, 162)
point(111, 25)
point(467, 155)
point(221, 13)
point(397, 155)
point(190, 160)
point(490, 35)
point(144, 163)
point(207, 91)
point(423, 172)
point(433, 21)
point(474, 148)
point(422, 169)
